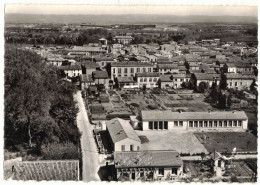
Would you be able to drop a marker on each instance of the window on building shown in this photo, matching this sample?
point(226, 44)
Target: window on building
point(160, 125)
point(155, 125)
point(195, 123)
point(239, 123)
point(240, 83)
point(150, 125)
point(161, 171)
point(150, 70)
point(144, 70)
point(125, 70)
point(155, 79)
point(175, 123)
point(141, 80)
point(220, 123)
point(122, 147)
point(190, 123)
point(132, 70)
point(181, 123)
point(114, 70)
point(138, 70)
point(215, 123)
point(145, 79)
point(181, 80)
point(210, 123)
point(166, 125)
point(235, 84)
point(150, 79)
point(119, 70)
point(174, 171)
point(235, 123)
point(230, 123)
point(138, 148)
point(175, 79)
point(205, 123)
point(131, 147)
point(230, 83)
point(225, 123)
point(201, 123)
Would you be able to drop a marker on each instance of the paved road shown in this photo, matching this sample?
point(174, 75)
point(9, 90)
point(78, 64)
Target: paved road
point(89, 150)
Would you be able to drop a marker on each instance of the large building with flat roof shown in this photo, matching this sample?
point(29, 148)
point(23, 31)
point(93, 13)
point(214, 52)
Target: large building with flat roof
point(168, 120)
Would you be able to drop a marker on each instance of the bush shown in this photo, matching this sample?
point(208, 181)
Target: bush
point(134, 104)
point(58, 151)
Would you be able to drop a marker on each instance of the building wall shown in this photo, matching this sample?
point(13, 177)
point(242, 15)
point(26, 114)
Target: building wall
point(150, 82)
point(210, 82)
point(239, 83)
point(178, 81)
point(127, 142)
point(105, 82)
point(73, 73)
point(165, 85)
point(232, 70)
point(131, 71)
point(85, 85)
point(163, 71)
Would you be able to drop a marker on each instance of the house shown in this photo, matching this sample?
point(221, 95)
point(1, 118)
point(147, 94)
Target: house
point(178, 79)
point(101, 78)
point(88, 50)
point(71, 70)
point(86, 81)
point(204, 77)
point(167, 68)
point(232, 68)
point(165, 81)
point(148, 165)
point(122, 135)
point(239, 81)
point(88, 67)
point(148, 79)
point(194, 66)
point(123, 39)
point(55, 61)
point(126, 82)
point(129, 69)
point(196, 121)
point(104, 60)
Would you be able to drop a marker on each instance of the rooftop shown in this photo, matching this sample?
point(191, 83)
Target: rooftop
point(238, 76)
point(120, 129)
point(70, 67)
point(153, 158)
point(169, 115)
point(147, 74)
point(100, 74)
point(125, 79)
point(86, 78)
point(131, 63)
point(168, 66)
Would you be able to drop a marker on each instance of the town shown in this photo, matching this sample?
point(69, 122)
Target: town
point(145, 102)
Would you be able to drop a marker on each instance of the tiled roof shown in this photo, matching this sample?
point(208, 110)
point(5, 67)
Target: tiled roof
point(238, 76)
point(205, 76)
point(123, 37)
point(131, 63)
point(165, 78)
point(87, 49)
point(125, 79)
point(147, 74)
point(86, 78)
point(167, 66)
point(100, 74)
point(169, 115)
point(70, 67)
point(120, 129)
point(153, 158)
point(89, 64)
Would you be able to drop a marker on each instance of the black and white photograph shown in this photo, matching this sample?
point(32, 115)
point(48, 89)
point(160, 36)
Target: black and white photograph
point(130, 93)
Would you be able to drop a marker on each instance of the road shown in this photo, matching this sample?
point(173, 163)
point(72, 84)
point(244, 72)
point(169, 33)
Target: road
point(90, 160)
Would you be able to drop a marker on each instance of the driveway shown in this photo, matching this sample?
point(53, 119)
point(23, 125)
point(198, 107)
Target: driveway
point(90, 160)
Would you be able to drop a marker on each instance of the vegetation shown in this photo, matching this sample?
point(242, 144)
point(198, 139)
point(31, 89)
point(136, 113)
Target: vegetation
point(39, 106)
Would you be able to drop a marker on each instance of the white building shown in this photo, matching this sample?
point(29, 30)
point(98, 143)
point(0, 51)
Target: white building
point(148, 79)
point(122, 135)
point(168, 120)
point(71, 70)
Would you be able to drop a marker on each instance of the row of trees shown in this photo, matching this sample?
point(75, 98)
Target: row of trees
point(39, 106)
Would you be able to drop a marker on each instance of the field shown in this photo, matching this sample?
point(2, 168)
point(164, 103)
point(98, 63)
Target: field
point(226, 141)
point(47, 170)
point(183, 142)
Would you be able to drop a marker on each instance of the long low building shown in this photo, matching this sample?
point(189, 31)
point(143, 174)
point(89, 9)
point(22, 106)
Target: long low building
point(148, 165)
point(168, 120)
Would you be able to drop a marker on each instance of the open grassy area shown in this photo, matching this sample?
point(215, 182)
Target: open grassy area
point(226, 141)
point(183, 142)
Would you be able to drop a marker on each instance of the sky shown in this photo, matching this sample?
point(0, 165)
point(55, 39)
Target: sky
point(133, 9)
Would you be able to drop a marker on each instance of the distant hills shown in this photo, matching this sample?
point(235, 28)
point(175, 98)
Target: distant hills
point(124, 19)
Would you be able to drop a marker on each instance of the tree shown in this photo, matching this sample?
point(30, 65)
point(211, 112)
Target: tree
point(202, 87)
point(224, 69)
point(223, 81)
point(252, 86)
point(202, 155)
point(229, 101)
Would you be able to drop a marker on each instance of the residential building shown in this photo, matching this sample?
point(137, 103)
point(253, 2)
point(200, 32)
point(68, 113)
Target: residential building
point(148, 79)
point(89, 50)
point(165, 81)
point(123, 39)
point(161, 165)
point(129, 69)
point(125, 82)
point(55, 61)
point(204, 77)
point(122, 135)
point(239, 81)
point(86, 81)
point(71, 70)
point(211, 121)
point(167, 68)
point(178, 79)
point(101, 78)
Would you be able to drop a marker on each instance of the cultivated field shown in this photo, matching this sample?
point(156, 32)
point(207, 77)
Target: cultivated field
point(183, 142)
point(226, 141)
point(47, 170)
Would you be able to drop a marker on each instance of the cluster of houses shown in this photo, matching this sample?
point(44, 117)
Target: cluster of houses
point(166, 66)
